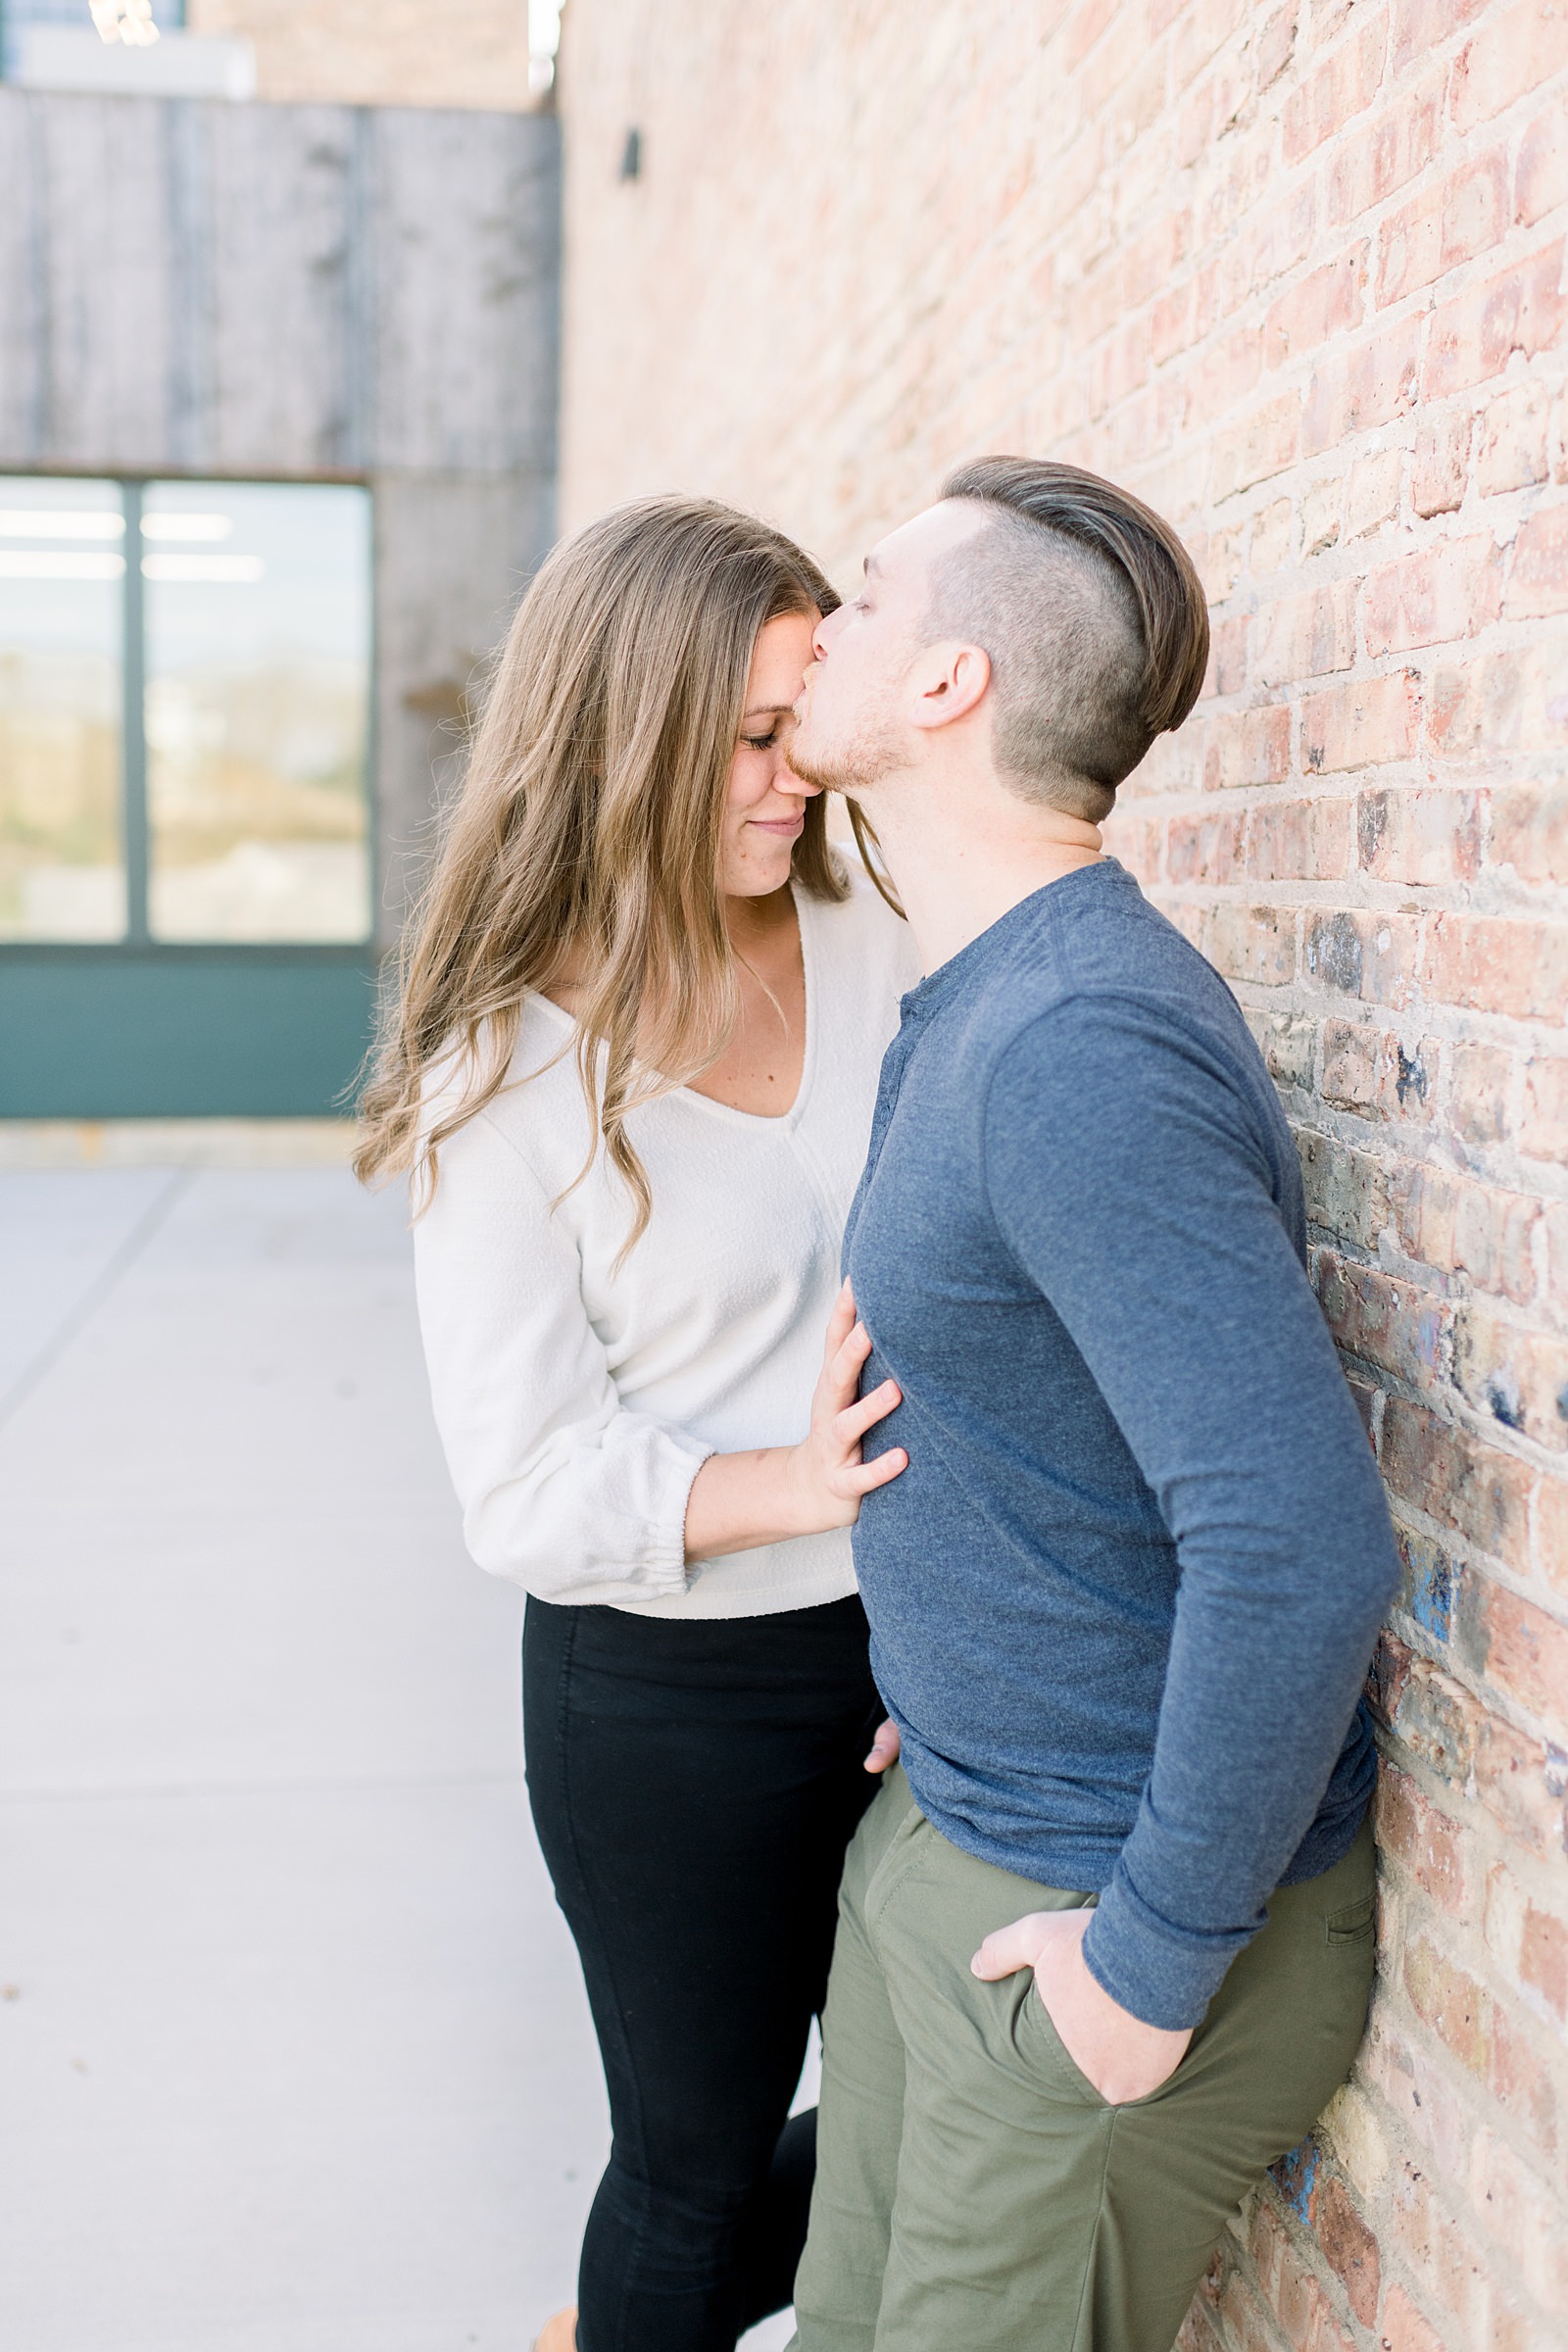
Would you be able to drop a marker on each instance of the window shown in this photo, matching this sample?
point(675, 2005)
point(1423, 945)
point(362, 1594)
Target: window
point(17, 16)
point(184, 696)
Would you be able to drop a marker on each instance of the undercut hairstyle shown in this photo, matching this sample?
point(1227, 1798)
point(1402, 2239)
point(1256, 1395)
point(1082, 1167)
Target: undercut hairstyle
point(1093, 616)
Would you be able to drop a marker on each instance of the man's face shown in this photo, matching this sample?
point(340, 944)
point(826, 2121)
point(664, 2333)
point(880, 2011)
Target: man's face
point(854, 710)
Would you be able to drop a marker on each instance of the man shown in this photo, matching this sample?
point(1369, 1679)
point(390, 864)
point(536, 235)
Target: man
point(1105, 1937)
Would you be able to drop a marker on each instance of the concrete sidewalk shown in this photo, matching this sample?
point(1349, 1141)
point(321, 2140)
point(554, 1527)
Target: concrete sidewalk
point(295, 2053)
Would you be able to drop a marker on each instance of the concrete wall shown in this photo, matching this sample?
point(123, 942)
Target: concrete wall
point(1295, 271)
point(472, 53)
point(190, 287)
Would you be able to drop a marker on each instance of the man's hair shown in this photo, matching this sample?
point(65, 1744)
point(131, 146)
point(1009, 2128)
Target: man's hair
point(1093, 619)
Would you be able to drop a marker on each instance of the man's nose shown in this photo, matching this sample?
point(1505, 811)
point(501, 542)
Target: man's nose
point(826, 629)
point(785, 780)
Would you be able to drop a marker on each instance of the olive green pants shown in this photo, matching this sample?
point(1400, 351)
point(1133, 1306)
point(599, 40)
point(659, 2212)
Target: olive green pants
point(974, 2192)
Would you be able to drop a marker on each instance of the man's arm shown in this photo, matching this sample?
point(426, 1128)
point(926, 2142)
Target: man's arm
point(1130, 1180)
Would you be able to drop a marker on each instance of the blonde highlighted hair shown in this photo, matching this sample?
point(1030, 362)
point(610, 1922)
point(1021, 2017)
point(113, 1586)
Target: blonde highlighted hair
point(585, 840)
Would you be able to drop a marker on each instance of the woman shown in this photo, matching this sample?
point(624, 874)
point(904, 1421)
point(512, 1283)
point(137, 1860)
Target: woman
point(633, 1069)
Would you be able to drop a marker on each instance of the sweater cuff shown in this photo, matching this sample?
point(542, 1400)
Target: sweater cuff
point(663, 1547)
point(1165, 1975)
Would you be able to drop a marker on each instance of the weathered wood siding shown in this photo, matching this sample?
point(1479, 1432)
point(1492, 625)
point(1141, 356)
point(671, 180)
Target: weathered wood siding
point(195, 287)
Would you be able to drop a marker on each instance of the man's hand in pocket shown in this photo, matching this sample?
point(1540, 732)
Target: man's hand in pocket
point(1122, 2057)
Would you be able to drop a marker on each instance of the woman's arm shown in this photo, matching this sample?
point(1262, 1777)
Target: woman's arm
point(563, 1489)
point(739, 1500)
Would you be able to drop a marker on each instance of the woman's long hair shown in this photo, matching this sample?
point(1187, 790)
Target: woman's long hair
point(586, 836)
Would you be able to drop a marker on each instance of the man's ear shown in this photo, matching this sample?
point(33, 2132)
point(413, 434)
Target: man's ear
point(948, 682)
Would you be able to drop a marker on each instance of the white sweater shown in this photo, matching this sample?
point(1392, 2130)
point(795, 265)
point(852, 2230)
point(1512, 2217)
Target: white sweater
point(577, 1401)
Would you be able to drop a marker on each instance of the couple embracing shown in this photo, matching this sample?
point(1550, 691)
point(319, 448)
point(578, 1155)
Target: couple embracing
point(1072, 1505)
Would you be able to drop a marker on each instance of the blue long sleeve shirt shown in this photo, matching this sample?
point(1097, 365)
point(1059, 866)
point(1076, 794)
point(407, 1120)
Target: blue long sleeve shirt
point(1123, 1599)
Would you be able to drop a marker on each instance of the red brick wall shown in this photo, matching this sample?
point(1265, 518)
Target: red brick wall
point(1297, 275)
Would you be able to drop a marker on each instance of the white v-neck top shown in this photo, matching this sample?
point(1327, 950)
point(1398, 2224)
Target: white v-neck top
point(577, 1400)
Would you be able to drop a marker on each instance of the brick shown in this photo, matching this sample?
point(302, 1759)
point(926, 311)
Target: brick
point(1247, 746)
point(1383, 1322)
point(1515, 1375)
point(1538, 579)
point(1270, 545)
point(1474, 336)
point(1524, 2216)
point(1306, 635)
point(1448, 2000)
point(1423, 25)
point(1350, 2249)
point(1267, 443)
point(1370, 164)
point(1352, 391)
point(1409, 250)
point(1516, 968)
point(1501, 703)
point(1475, 209)
point(1227, 662)
point(1433, 2104)
point(1286, 1041)
point(1436, 2247)
point(1442, 455)
point(1515, 53)
point(1431, 1585)
point(1426, 1843)
point(1322, 306)
point(1365, 725)
point(1543, 1125)
point(1448, 591)
point(1207, 848)
point(1529, 832)
point(1367, 955)
point(1483, 1494)
point(1517, 1781)
point(1473, 1229)
point(1552, 1534)
point(1511, 447)
point(1320, 513)
point(1378, 1074)
point(1541, 175)
point(1253, 942)
point(1346, 1191)
point(1421, 835)
point(1406, 2329)
point(1336, 93)
point(1521, 2081)
point(1299, 840)
point(1372, 497)
point(1273, 46)
point(1522, 1649)
point(1544, 1959)
point(1479, 1081)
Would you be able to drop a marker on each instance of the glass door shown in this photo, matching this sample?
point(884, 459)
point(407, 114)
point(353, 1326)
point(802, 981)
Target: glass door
point(185, 811)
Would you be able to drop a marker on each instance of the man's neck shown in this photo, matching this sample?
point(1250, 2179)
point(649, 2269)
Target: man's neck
point(960, 863)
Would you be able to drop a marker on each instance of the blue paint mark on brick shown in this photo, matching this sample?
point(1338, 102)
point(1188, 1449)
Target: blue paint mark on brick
point(1431, 1579)
point(1296, 2176)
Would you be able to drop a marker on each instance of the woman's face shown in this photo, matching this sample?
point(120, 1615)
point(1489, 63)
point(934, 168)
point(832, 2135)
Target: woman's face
point(766, 805)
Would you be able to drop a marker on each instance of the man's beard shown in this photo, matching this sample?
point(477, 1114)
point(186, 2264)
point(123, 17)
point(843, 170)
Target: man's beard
point(859, 761)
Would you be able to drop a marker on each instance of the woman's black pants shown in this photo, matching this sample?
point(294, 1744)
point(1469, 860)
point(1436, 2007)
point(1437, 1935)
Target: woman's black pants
point(693, 1783)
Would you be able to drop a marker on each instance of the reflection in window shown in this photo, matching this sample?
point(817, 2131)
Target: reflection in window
point(258, 635)
point(61, 591)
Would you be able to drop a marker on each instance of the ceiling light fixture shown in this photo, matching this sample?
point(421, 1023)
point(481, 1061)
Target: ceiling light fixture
point(126, 21)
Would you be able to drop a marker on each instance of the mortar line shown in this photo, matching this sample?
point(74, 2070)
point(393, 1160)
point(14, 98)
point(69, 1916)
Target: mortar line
point(119, 1264)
